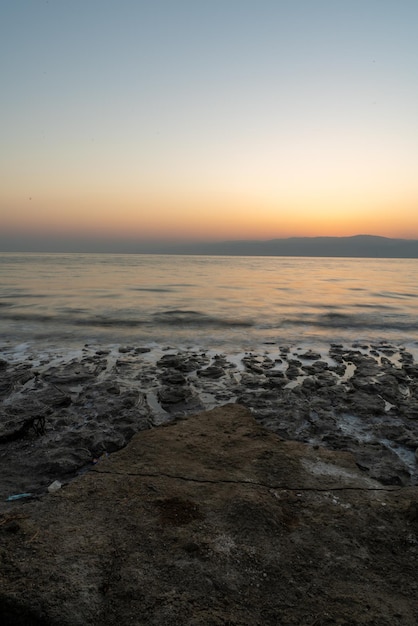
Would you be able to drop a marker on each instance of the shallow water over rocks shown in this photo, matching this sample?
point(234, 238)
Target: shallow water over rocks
point(60, 413)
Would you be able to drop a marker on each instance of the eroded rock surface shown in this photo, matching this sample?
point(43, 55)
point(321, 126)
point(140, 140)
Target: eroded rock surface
point(213, 520)
point(59, 414)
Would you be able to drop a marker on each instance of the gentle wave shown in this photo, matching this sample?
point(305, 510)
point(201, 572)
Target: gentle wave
point(165, 318)
point(382, 307)
point(195, 318)
point(153, 289)
point(347, 321)
point(395, 295)
point(195, 299)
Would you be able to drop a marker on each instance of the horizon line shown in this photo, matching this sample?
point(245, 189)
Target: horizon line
point(349, 246)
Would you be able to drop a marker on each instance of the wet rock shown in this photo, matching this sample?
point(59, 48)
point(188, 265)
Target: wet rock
point(250, 381)
point(275, 374)
point(170, 360)
point(113, 389)
point(54, 397)
point(108, 441)
point(388, 351)
point(411, 370)
point(339, 370)
point(406, 357)
point(275, 382)
point(382, 464)
point(92, 397)
point(387, 387)
point(310, 384)
point(410, 410)
point(364, 384)
point(173, 378)
point(63, 461)
point(182, 362)
point(257, 364)
point(292, 372)
point(173, 395)
point(126, 349)
point(74, 373)
point(365, 404)
point(221, 361)
point(316, 368)
point(213, 371)
point(397, 373)
point(366, 365)
point(14, 378)
point(310, 355)
point(337, 356)
point(142, 350)
point(253, 364)
point(327, 379)
point(337, 441)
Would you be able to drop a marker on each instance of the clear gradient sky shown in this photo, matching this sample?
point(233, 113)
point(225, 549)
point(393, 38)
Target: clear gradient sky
point(212, 120)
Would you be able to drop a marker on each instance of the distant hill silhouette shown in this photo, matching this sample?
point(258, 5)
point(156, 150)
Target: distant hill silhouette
point(356, 246)
point(366, 246)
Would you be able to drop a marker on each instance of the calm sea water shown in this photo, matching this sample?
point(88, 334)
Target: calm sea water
point(228, 303)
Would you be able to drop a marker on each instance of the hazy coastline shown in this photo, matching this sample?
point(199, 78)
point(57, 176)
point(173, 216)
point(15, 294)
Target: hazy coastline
point(356, 246)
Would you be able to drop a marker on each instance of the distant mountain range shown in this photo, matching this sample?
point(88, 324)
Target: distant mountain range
point(362, 246)
point(356, 246)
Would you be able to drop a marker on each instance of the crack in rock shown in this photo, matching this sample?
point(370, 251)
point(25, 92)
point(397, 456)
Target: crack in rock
point(243, 482)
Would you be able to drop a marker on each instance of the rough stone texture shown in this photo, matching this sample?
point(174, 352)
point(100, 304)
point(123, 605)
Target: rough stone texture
point(59, 412)
point(213, 520)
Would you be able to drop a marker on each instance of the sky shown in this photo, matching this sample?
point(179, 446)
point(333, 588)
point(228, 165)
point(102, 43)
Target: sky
point(134, 121)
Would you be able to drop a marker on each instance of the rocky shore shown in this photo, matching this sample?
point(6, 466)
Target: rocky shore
point(127, 498)
point(213, 520)
point(62, 413)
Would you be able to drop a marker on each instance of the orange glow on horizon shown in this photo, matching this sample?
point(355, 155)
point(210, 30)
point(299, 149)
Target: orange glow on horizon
point(181, 212)
point(217, 219)
point(187, 129)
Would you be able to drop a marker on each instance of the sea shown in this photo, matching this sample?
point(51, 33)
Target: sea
point(226, 303)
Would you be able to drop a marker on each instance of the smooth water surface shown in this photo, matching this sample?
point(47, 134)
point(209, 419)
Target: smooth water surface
point(239, 302)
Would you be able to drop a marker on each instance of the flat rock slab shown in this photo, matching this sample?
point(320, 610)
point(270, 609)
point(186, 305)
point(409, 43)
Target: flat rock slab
point(213, 520)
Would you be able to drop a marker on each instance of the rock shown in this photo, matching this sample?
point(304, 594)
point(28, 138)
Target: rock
point(310, 355)
point(99, 403)
point(125, 349)
point(292, 372)
point(173, 378)
point(172, 395)
point(73, 373)
point(65, 461)
point(316, 368)
point(366, 404)
point(213, 371)
point(257, 364)
point(310, 384)
point(114, 390)
point(182, 362)
point(213, 520)
point(55, 486)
